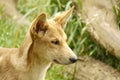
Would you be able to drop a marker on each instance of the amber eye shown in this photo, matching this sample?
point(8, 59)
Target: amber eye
point(56, 42)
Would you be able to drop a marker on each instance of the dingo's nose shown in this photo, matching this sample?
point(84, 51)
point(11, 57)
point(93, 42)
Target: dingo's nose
point(73, 60)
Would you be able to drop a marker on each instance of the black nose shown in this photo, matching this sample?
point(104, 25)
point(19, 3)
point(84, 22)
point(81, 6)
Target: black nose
point(73, 60)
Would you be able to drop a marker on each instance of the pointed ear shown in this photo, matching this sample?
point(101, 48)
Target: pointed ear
point(38, 26)
point(63, 17)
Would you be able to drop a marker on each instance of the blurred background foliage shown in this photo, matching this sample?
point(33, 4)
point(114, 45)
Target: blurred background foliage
point(12, 34)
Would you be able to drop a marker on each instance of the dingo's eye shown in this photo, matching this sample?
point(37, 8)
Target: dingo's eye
point(56, 42)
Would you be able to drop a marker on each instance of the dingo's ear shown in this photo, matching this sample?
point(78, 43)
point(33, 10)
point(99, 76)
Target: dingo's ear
point(38, 26)
point(62, 18)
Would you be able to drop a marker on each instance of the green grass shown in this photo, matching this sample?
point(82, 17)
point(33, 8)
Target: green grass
point(56, 72)
point(12, 34)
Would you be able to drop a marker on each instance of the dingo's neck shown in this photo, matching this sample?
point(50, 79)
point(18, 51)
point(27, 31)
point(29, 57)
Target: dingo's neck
point(38, 66)
point(37, 70)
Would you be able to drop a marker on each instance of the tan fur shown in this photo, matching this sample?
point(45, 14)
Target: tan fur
point(45, 42)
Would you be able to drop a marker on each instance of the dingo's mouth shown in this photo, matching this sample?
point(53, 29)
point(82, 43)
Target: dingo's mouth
point(56, 61)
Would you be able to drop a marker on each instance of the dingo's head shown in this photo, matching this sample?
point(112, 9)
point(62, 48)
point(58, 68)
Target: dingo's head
point(49, 38)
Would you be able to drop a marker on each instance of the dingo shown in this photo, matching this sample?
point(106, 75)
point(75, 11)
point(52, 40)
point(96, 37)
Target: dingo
point(45, 42)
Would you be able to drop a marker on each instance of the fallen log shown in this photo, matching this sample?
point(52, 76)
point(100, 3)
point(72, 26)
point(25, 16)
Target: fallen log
point(102, 24)
point(92, 69)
